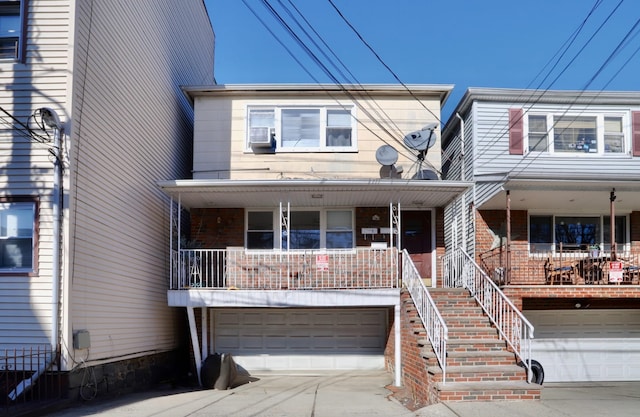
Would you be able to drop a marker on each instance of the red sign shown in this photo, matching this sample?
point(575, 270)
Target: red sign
point(615, 271)
point(322, 262)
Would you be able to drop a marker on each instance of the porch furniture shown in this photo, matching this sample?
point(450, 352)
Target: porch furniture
point(563, 274)
point(591, 270)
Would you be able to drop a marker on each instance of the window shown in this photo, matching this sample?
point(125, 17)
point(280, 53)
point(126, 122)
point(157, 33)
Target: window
point(538, 133)
point(339, 229)
point(260, 230)
point(574, 232)
point(17, 234)
point(308, 229)
point(591, 134)
point(303, 129)
point(575, 134)
point(11, 30)
point(613, 136)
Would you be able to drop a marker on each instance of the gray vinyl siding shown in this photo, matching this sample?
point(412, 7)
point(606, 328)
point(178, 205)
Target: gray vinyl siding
point(133, 127)
point(26, 301)
point(491, 141)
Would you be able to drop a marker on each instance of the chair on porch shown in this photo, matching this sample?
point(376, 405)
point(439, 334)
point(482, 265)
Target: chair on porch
point(631, 271)
point(562, 274)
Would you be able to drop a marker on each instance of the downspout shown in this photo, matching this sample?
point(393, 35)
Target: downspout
point(462, 177)
point(50, 119)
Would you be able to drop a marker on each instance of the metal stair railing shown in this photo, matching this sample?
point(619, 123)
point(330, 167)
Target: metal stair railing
point(460, 270)
point(432, 321)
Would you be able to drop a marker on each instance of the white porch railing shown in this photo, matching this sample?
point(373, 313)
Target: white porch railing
point(427, 310)
point(460, 270)
point(236, 268)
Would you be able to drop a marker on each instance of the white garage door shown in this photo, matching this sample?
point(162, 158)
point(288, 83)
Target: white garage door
point(587, 345)
point(302, 339)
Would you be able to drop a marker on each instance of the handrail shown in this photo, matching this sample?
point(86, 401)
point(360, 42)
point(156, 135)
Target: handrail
point(462, 271)
point(432, 321)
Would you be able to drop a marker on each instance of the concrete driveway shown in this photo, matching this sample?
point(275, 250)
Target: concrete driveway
point(349, 393)
point(356, 393)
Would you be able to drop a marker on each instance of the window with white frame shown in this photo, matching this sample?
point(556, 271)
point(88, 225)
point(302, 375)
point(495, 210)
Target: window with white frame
point(308, 229)
point(260, 230)
point(308, 129)
point(548, 232)
point(578, 134)
point(17, 236)
point(11, 29)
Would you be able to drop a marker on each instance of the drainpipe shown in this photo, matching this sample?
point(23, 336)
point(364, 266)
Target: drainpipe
point(50, 119)
point(462, 177)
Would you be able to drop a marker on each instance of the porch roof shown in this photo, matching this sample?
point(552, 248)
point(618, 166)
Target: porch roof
point(314, 192)
point(575, 195)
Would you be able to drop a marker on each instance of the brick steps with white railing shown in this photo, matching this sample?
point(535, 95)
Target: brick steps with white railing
point(479, 365)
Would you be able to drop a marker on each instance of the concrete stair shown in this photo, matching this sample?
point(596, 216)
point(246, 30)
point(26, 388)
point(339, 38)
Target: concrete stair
point(479, 365)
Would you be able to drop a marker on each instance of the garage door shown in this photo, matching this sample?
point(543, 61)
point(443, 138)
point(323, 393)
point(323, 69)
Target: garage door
point(302, 339)
point(587, 345)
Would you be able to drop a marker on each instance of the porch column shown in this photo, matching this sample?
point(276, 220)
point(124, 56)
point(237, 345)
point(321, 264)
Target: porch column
point(193, 331)
point(205, 330)
point(398, 347)
point(507, 275)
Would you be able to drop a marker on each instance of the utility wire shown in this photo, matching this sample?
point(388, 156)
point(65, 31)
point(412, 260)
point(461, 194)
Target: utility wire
point(342, 87)
point(380, 59)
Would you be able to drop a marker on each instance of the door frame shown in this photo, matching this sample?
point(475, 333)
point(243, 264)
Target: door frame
point(434, 261)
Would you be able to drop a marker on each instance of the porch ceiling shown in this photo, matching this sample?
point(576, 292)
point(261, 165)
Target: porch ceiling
point(313, 193)
point(575, 196)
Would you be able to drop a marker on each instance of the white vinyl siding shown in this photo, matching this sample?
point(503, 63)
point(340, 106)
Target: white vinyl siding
point(39, 79)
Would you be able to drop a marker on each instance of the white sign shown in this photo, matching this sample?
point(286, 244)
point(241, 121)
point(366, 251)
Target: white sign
point(615, 271)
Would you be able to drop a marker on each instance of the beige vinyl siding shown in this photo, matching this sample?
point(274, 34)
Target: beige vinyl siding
point(26, 301)
point(133, 128)
point(220, 139)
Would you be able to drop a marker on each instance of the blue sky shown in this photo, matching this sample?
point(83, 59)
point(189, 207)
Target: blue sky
point(547, 44)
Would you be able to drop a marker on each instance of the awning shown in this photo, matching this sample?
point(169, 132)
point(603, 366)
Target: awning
point(313, 193)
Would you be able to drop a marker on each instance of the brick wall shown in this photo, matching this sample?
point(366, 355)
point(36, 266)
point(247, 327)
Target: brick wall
point(217, 228)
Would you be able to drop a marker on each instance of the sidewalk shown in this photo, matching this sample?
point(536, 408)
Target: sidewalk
point(355, 394)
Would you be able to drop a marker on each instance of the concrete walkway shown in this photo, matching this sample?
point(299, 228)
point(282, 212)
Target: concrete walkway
point(355, 394)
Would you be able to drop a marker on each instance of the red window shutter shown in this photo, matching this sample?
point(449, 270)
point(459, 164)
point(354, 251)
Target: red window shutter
point(635, 134)
point(516, 132)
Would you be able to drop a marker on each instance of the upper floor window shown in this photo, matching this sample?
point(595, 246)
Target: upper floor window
point(308, 129)
point(592, 134)
point(17, 236)
point(11, 29)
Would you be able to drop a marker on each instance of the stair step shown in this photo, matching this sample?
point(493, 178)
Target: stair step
point(488, 391)
point(492, 358)
point(480, 373)
point(475, 345)
point(471, 332)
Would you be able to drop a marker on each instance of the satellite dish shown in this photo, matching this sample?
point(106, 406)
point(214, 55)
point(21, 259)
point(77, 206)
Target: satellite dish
point(425, 174)
point(386, 155)
point(390, 171)
point(422, 139)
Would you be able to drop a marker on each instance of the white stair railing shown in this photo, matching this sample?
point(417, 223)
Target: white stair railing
point(460, 270)
point(432, 321)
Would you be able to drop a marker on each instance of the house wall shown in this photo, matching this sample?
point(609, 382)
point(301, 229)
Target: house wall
point(27, 169)
point(220, 150)
point(491, 143)
point(132, 127)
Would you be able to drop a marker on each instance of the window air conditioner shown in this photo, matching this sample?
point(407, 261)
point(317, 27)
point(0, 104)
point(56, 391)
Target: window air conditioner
point(261, 136)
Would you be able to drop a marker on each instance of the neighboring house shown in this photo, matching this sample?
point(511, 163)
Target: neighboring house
point(556, 179)
point(83, 224)
point(288, 258)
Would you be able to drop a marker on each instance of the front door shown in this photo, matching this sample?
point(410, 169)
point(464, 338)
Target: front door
point(416, 239)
